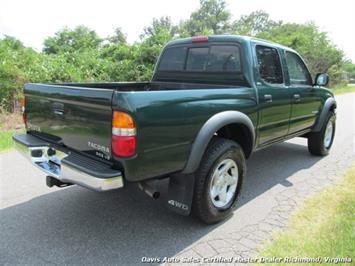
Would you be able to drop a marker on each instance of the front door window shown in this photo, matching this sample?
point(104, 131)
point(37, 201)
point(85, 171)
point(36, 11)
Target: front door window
point(297, 70)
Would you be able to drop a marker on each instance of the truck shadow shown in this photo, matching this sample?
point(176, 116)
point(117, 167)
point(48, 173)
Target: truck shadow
point(77, 226)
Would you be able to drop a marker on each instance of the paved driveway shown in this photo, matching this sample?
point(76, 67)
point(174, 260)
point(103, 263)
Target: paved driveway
point(39, 225)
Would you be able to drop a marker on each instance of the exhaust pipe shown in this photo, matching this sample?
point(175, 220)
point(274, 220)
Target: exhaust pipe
point(149, 190)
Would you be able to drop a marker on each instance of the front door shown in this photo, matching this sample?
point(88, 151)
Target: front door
point(305, 99)
point(274, 96)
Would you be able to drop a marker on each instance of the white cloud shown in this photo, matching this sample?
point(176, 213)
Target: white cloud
point(33, 20)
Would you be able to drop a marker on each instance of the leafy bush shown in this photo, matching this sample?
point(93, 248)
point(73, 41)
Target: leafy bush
point(80, 55)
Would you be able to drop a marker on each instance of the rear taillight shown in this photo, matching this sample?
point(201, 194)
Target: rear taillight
point(23, 109)
point(123, 135)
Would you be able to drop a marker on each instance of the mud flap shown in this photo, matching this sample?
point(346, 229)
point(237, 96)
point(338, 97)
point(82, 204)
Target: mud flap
point(180, 194)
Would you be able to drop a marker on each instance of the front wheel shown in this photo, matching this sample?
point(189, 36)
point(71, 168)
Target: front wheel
point(319, 143)
point(218, 180)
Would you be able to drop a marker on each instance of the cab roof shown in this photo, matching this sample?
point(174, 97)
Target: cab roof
point(229, 38)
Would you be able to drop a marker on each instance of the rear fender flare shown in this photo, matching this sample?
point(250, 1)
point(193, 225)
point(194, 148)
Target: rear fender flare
point(208, 130)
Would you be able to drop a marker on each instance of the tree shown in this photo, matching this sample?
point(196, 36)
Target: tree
point(11, 43)
point(161, 26)
point(80, 55)
point(154, 37)
point(349, 68)
point(14, 61)
point(314, 45)
point(118, 37)
point(68, 40)
point(211, 18)
point(254, 23)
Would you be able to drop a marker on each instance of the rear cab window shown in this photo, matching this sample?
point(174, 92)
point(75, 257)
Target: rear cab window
point(215, 62)
point(197, 59)
point(174, 59)
point(224, 58)
point(210, 59)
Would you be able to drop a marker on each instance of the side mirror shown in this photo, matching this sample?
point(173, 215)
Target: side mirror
point(322, 79)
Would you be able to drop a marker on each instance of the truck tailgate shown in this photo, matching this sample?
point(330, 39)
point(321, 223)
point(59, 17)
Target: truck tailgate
point(77, 117)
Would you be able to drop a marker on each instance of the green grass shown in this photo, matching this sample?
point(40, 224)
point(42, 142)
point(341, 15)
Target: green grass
point(6, 140)
point(323, 227)
point(10, 123)
point(343, 89)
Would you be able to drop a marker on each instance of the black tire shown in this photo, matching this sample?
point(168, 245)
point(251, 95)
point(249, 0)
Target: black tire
point(219, 150)
point(316, 140)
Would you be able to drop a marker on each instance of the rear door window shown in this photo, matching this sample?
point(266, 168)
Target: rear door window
point(269, 64)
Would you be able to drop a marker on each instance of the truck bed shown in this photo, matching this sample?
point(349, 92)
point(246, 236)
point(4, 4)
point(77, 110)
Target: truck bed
point(143, 86)
point(79, 115)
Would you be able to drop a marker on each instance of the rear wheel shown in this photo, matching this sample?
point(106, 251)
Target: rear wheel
point(319, 143)
point(218, 180)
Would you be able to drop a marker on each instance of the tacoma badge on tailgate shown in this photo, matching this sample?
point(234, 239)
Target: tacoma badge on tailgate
point(105, 151)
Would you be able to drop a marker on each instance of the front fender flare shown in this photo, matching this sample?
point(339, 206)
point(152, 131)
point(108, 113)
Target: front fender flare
point(328, 105)
point(207, 131)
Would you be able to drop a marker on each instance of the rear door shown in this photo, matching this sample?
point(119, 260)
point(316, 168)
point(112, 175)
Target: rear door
point(306, 101)
point(273, 94)
point(76, 117)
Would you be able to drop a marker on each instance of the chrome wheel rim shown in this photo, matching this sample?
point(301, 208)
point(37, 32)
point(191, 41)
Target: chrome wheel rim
point(328, 135)
point(224, 183)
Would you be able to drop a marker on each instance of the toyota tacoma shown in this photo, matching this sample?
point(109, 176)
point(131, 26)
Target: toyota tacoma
point(212, 102)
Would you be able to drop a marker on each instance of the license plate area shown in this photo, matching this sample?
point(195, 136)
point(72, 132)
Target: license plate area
point(47, 159)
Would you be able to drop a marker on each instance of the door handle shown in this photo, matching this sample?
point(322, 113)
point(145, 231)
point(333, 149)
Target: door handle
point(268, 98)
point(58, 112)
point(297, 98)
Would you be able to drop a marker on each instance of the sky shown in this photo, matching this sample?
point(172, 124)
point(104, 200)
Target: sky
point(32, 21)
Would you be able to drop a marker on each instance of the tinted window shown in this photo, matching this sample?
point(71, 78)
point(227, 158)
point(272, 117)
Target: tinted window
point(197, 59)
point(217, 58)
point(297, 70)
point(203, 63)
point(269, 64)
point(173, 59)
point(224, 58)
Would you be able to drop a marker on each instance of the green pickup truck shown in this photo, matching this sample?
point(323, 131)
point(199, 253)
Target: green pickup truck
point(211, 103)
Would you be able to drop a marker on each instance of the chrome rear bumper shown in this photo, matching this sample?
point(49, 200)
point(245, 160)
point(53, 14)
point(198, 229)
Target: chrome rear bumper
point(68, 167)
